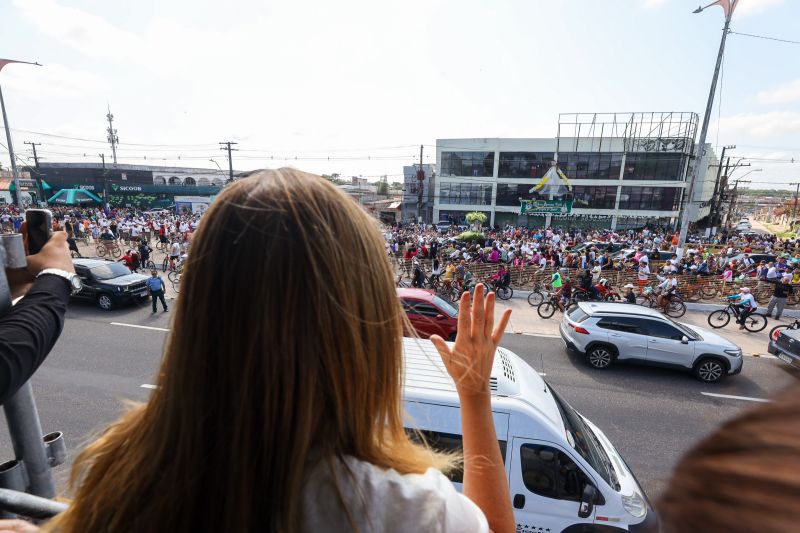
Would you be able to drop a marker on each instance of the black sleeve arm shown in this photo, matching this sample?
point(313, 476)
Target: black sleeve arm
point(29, 331)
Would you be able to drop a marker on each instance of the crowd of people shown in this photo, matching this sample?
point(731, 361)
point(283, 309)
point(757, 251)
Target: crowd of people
point(287, 414)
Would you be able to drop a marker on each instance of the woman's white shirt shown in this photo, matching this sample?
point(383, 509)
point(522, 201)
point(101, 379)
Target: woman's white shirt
point(385, 500)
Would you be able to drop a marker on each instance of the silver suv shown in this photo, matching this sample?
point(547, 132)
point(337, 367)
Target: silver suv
point(610, 332)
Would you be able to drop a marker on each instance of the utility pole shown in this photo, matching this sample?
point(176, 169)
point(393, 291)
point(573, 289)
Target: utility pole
point(35, 156)
point(734, 195)
point(420, 185)
point(112, 135)
point(714, 200)
point(40, 187)
point(728, 7)
point(794, 204)
point(105, 189)
point(227, 146)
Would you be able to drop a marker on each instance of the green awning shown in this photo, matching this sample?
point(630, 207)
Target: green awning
point(74, 197)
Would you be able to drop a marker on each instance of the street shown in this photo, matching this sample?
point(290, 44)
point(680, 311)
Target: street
point(104, 359)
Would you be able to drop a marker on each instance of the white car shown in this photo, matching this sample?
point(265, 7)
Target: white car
point(609, 332)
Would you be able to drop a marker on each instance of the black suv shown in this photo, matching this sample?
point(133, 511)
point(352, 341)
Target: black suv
point(109, 283)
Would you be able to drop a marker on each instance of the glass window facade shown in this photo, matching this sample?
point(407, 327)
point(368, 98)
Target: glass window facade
point(524, 164)
point(477, 164)
point(648, 166)
point(590, 165)
point(650, 198)
point(509, 194)
point(594, 197)
point(465, 194)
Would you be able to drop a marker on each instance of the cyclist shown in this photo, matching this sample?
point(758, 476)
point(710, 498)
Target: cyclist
point(630, 296)
point(746, 304)
point(666, 288)
point(557, 281)
point(144, 252)
point(564, 293)
point(174, 253)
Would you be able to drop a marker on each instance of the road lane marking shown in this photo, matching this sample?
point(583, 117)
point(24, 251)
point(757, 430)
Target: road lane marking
point(148, 386)
point(730, 397)
point(138, 326)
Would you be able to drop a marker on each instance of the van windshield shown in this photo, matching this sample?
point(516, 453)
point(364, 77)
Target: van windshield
point(585, 442)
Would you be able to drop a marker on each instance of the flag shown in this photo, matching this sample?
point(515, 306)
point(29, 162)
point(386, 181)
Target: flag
point(553, 182)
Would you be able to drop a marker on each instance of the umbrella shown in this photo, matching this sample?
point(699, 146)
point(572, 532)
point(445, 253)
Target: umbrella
point(74, 197)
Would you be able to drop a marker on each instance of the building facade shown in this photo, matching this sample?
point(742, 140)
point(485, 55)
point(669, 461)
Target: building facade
point(617, 182)
point(132, 185)
point(411, 187)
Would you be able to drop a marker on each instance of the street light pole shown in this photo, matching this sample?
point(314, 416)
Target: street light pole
point(14, 171)
point(728, 6)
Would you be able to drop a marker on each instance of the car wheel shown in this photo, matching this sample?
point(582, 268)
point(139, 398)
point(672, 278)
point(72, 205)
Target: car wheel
point(709, 370)
point(600, 357)
point(105, 302)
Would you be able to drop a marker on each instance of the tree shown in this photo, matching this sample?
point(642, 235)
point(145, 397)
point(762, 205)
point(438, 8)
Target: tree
point(383, 188)
point(396, 186)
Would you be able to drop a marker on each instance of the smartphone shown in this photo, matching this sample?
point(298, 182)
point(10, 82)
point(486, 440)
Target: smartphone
point(40, 226)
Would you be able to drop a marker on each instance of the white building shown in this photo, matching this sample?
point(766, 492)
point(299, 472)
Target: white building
point(612, 187)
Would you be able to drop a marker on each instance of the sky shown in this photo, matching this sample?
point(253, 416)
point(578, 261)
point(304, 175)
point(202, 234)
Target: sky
point(355, 87)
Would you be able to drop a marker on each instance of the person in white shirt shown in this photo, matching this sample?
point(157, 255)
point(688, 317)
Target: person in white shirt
point(643, 274)
point(747, 305)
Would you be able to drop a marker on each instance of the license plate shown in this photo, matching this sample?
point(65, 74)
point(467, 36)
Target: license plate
point(785, 358)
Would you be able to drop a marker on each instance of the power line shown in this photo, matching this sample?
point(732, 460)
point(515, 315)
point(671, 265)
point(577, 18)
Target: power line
point(764, 37)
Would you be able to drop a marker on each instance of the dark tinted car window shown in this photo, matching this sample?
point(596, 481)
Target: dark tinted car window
point(622, 323)
point(662, 330)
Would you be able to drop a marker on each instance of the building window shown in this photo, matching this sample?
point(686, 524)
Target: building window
point(509, 195)
point(203, 182)
point(476, 164)
point(590, 165)
point(175, 180)
point(465, 194)
point(647, 166)
point(159, 180)
point(594, 197)
point(189, 181)
point(650, 198)
point(524, 164)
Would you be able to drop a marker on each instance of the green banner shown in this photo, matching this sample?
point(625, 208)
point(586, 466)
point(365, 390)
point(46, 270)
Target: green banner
point(545, 207)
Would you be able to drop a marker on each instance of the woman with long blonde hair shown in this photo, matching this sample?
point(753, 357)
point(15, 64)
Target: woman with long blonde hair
point(278, 406)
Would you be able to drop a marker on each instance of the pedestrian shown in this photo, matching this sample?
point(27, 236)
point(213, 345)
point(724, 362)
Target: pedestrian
point(156, 286)
point(782, 289)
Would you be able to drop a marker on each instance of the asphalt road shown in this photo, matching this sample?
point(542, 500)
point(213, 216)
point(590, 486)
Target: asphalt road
point(651, 415)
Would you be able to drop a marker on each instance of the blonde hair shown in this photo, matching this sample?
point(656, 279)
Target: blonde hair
point(286, 345)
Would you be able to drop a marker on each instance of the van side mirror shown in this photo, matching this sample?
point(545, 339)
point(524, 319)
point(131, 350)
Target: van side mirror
point(440, 317)
point(684, 340)
point(587, 501)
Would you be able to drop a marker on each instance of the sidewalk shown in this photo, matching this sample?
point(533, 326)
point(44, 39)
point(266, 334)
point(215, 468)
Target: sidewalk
point(526, 321)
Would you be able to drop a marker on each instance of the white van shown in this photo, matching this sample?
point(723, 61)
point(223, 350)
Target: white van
point(564, 474)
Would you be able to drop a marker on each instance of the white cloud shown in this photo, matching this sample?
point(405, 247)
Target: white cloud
point(782, 94)
point(772, 124)
point(754, 7)
point(52, 81)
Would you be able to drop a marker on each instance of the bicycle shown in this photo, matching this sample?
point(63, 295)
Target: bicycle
point(503, 291)
point(108, 247)
point(537, 294)
point(400, 282)
point(176, 284)
point(720, 318)
point(148, 265)
point(675, 307)
point(548, 307)
point(774, 332)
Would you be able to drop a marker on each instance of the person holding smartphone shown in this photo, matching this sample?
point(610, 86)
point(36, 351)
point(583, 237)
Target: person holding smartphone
point(30, 329)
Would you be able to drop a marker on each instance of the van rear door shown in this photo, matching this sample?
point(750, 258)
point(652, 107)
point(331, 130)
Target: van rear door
point(546, 485)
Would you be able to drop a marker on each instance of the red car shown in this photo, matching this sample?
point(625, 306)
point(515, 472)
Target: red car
point(429, 313)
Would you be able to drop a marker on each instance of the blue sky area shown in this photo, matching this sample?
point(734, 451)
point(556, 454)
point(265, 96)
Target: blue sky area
point(355, 87)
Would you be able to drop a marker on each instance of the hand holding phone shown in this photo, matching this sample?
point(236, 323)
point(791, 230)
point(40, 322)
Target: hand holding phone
point(39, 223)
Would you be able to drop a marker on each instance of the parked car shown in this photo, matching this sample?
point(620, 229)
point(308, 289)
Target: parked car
point(606, 333)
point(757, 258)
point(428, 313)
point(653, 255)
point(443, 226)
point(786, 346)
point(564, 474)
point(109, 284)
